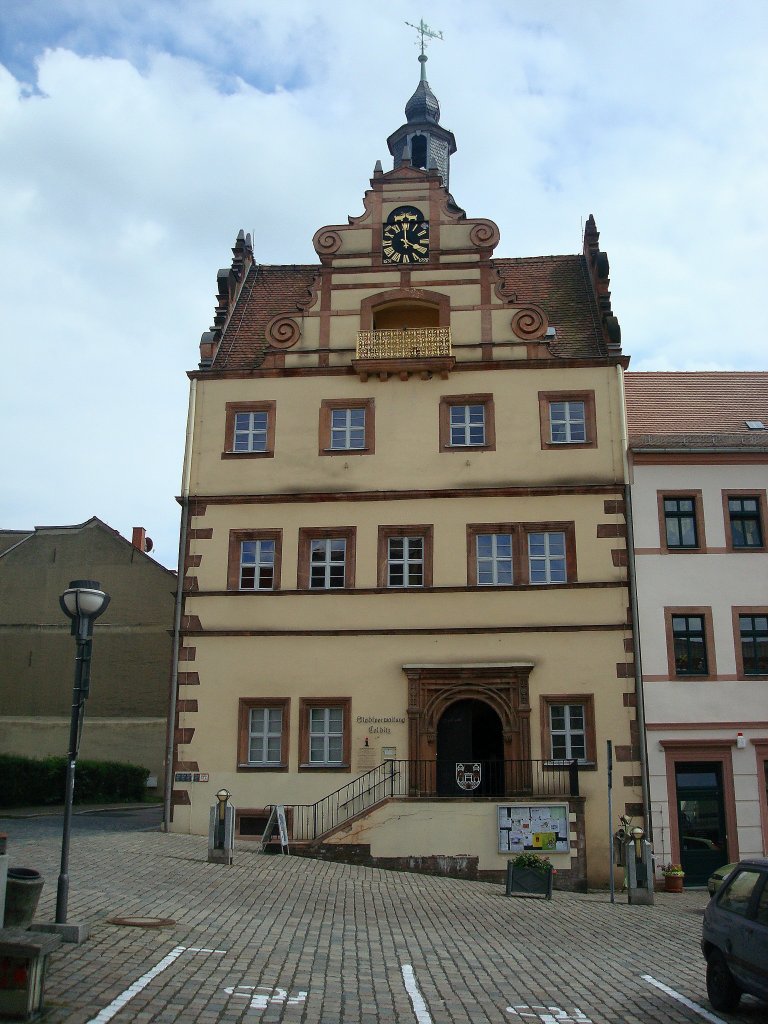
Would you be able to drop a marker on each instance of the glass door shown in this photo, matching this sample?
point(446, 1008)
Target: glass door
point(700, 819)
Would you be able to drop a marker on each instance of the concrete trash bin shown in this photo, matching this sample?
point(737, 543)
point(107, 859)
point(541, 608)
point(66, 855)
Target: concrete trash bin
point(22, 892)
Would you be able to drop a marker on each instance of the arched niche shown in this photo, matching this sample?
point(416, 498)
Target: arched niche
point(399, 308)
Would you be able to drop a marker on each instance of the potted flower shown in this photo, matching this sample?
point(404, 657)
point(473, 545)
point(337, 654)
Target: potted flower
point(528, 874)
point(673, 877)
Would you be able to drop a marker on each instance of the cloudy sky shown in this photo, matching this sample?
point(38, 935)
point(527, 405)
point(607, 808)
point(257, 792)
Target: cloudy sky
point(138, 136)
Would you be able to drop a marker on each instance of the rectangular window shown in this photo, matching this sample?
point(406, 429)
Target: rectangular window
point(567, 732)
point(346, 426)
point(567, 422)
point(324, 734)
point(753, 638)
point(690, 645)
point(257, 564)
point(265, 734)
point(567, 419)
point(254, 560)
point(326, 558)
point(467, 424)
point(405, 556)
point(680, 523)
point(250, 430)
point(494, 559)
point(568, 728)
point(546, 557)
point(467, 421)
point(405, 562)
point(263, 729)
point(744, 517)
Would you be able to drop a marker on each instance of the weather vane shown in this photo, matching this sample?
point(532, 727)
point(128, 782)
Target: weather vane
point(424, 30)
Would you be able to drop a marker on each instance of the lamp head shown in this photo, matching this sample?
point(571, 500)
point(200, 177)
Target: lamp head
point(223, 795)
point(82, 602)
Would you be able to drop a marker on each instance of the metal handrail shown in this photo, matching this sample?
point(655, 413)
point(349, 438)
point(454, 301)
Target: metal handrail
point(431, 780)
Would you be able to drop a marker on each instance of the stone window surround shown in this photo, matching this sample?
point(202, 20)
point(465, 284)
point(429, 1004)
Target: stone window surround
point(546, 398)
point(447, 402)
point(736, 613)
point(245, 706)
point(309, 533)
point(762, 515)
point(236, 538)
point(305, 705)
point(520, 565)
point(709, 643)
point(698, 512)
point(327, 406)
point(231, 409)
point(407, 530)
point(587, 700)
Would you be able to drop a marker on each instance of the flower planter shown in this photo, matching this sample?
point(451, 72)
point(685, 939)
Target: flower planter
point(529, 881)
point(673, 883)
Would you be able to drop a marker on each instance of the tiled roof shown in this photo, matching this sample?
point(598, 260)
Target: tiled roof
point(268, 290)
point(559, 284)
point(698, 409)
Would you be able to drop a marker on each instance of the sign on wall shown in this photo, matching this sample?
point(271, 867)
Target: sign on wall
point(534, 828)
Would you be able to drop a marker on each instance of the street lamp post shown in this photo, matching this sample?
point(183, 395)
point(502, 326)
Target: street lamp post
point(82, 602)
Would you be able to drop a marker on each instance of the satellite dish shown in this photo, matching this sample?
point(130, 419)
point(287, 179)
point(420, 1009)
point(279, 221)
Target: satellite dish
point(148, 544)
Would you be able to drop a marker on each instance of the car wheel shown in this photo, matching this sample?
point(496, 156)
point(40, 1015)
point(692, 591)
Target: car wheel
point(723, 992)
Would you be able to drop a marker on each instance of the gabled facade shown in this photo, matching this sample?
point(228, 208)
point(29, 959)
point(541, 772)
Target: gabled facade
point(699, 449)
point(126, 712)
point(405, 599)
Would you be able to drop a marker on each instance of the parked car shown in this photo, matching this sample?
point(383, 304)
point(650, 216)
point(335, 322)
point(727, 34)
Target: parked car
point(734, 937)
point(718, 876)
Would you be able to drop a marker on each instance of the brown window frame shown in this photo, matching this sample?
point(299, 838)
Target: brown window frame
point(705, 613)
point(232, 408)
point(474, 530)
point(327, 406)
point(244, 707)
point(546, 701)
point(309, 533)
point(236, 538)
point(447, 402)
point(546, 398)
point(305, 705)
point(385, 532)
point(737, 612)
point(698, 514)
point(762, 517)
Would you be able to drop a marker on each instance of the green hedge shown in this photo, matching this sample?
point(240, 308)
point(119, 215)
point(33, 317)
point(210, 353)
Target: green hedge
point(31, 783)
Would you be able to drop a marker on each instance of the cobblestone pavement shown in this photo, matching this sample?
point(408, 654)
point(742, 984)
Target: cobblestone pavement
point(276, 938)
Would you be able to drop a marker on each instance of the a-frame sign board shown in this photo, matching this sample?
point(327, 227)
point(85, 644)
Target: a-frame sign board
point(276, 820)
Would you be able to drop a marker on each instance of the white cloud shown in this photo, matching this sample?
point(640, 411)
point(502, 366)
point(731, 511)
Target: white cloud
point(156, 131)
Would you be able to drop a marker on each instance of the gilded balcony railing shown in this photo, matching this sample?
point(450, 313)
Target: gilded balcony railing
point(411, 343)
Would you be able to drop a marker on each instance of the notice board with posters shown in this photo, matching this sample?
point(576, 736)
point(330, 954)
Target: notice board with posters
point(533, 828)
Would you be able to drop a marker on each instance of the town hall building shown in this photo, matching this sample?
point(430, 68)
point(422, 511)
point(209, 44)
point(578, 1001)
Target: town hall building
point(406, 602)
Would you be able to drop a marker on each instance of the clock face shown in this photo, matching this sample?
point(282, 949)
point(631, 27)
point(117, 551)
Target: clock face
point(405, 238)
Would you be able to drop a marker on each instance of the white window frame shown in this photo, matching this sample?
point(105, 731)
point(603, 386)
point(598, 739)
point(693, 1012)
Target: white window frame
point(460, 420)
point(569, 421)
point(494, 561)
point(255, 436)
point(264, 734)
point(568, 733)
point(344, 434)
point(406, 561)
point(326, 734)
point(549, 558)
point(259, 563)
point(322, 546)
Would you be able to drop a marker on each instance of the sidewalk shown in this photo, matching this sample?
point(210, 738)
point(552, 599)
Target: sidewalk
point(276, 938)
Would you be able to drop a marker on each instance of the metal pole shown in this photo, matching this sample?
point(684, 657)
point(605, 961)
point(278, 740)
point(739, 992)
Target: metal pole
point(79, 693)
point(609, 760)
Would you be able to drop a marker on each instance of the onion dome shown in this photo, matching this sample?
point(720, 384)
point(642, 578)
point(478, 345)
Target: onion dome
point(423, 105)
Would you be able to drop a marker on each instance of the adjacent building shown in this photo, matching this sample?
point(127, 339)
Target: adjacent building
point(406, 606)
point(127, 709)
point(699, 450)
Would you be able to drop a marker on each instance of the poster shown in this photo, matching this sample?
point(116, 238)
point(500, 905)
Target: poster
point(534, 828)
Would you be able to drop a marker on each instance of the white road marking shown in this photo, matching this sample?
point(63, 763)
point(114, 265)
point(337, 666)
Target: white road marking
point(141, 983)
point(417, 1000)
point(682, 999)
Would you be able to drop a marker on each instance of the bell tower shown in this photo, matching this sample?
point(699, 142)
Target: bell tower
point(422, 141)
